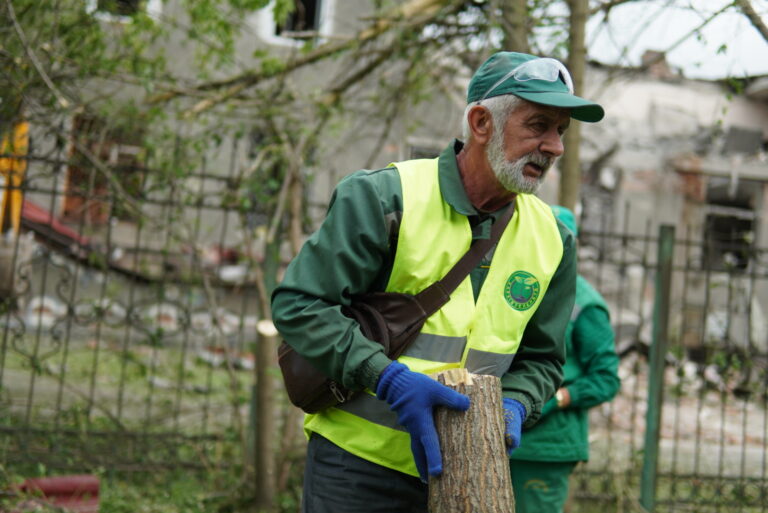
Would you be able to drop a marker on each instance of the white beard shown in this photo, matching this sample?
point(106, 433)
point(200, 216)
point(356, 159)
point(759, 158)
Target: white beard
point(510, 174)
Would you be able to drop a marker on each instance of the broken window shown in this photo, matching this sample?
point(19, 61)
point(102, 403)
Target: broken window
point(303, 20)
point(310, 20)
point(106, 171)
point(118, 7)
point(745, 141)
point(729, 223)
point(122, 10)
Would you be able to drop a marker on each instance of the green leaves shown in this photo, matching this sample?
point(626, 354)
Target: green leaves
point(272, 65)
point(283, 9)
point(248, 5)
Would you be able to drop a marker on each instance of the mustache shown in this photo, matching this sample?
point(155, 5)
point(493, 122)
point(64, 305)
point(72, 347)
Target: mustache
point(541, 160)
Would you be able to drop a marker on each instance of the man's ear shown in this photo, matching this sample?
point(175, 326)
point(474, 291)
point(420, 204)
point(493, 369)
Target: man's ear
point(480, 124)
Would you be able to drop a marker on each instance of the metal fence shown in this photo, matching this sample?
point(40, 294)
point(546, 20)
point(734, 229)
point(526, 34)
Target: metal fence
point(127, 340)
point(689, 428)
point(128, 343)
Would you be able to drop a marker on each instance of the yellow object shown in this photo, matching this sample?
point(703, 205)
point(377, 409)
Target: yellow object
point(13, 169)
point(481, 336)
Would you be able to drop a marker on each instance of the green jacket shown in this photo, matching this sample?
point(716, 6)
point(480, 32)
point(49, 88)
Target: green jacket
point(591, 378)
point(352, 252)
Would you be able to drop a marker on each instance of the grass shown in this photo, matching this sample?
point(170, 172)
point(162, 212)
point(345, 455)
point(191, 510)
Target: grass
point(619, 493)
point(142, 387)
point(152, 492)
point(176, 491)
point(162, 429)
point(227, 491)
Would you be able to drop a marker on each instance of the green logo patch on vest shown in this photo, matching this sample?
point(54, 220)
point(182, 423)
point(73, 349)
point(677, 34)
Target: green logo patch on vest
point(521, 290)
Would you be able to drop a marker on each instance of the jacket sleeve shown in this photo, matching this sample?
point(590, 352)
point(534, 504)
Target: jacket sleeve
point(593, 348)
point(537, 370)
point(344, 257)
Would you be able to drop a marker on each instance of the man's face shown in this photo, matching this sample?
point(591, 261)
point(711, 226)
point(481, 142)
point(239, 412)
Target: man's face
point(522, 152)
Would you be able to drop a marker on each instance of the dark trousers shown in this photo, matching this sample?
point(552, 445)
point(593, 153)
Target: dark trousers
point(336, 481)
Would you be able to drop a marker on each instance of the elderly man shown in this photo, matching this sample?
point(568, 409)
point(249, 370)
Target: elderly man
point(399, 229)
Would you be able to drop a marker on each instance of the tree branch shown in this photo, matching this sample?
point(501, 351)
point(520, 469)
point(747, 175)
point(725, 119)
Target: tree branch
point(607, 6)
point(692, 32)
point(334, 95)
point(416, 13)
point(662, 54)
point(754, 18)
point(63, 102)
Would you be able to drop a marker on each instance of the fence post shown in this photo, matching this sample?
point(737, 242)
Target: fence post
point(658, 352)
point(265, 417)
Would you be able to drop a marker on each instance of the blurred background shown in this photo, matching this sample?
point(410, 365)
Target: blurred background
point(163, 160)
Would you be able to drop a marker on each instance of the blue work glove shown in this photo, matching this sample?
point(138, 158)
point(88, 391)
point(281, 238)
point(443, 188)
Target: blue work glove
point(413, 396)
point(514, 416)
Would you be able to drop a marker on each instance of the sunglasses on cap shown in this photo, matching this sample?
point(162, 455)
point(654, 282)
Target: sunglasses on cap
point(542, 68)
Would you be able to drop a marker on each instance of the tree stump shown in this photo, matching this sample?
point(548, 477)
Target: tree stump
point(475, 475)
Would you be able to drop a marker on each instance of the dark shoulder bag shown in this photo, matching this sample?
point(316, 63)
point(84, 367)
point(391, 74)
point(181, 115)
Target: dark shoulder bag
point(390, 318)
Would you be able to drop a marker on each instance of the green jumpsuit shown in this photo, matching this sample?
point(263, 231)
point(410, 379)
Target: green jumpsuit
point(550, 450)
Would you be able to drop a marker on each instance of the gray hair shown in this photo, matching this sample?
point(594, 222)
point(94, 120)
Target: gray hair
point(500, 108)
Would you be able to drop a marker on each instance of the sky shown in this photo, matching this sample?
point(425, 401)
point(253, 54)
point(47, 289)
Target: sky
point(728, 46)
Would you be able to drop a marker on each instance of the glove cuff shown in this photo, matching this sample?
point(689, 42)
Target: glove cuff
point(517, 407)
point(388, 375)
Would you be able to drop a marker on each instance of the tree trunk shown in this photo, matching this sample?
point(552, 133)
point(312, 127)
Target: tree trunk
point(475, 475)
point(515, 25)
point(570, 166)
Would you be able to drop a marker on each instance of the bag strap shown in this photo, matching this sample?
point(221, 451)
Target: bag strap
point(436, 295)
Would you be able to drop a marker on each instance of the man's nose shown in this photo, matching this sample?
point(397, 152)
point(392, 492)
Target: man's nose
point(552, 144)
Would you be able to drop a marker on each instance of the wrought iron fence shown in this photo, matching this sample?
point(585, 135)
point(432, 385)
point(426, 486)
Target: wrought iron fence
point(128, 342)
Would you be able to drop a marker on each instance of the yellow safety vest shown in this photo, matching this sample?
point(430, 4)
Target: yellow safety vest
point(482, 336)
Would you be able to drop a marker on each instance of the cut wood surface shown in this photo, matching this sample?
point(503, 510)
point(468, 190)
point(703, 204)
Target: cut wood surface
point(475, 475)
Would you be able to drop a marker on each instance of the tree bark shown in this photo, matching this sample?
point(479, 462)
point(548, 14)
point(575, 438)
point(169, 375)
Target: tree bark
point(570, 166)
point(475, 475)
point(515, 25)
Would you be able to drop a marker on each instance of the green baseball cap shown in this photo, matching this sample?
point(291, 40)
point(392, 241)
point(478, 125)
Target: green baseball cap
point(540, 80)
point(566, 217)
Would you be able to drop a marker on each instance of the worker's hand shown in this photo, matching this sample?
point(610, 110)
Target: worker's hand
point(561, 400)
point(413, 396)
point(514, 416)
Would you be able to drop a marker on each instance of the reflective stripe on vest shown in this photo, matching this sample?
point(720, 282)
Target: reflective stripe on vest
point(482, 336)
